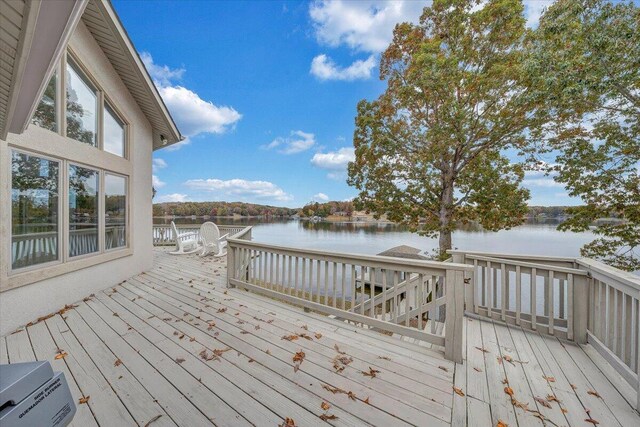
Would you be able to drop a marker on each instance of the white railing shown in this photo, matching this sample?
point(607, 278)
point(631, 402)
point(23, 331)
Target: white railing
point(37, 247)
point(418, 299)
point(163, 236)
point(577, 299)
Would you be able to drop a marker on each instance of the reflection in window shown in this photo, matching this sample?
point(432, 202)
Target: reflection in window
point(113, 133)
point(115, 211)
point(34, 210)
point(81, 107)
point(83, 210)
point(45, 115)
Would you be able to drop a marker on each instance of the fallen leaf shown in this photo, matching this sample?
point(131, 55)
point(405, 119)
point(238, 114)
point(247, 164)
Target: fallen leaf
point(502, 424)
point(590, 419)
point(318, 335)
point(288, 422)
point(552, 398)
point(61, 355)
point(179, 360)
point(366, 400)
point(443, 368)
point(118, 362)
point(333, 390)
point(477, 369)
point(325, 417)
point(351, 395)
point(458, 391)
point(299, 356)
point(325, 406)
point(384, 358)
point(372, 372)
point(305, 327)
point(543, 402)
point(290, 337)
point(338, 349)
point(549, 379)
point(482, 349)
point(573, 386)
point(84, 399)
point(521, 405)
point(594, 393)
point(218, 352)
point(509, 391)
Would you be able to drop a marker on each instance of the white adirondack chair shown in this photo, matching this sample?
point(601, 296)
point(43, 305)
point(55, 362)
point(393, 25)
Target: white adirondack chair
point(186, 243)
point(212, 242)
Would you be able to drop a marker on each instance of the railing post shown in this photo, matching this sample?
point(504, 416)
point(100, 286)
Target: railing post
point(469, 289)
point(231, 268)
point(454, 284)
point(580, 308)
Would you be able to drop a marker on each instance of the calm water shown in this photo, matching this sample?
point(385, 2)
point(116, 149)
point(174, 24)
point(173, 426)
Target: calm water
point(538, 238)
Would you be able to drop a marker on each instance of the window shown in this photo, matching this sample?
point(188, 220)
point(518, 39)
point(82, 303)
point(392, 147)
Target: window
point(82, 102)
point(34, 210)
point(45, 115)
point(113, 132)
point(83, 210)
point(115, 211)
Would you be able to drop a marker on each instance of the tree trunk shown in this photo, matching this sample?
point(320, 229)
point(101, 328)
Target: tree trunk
point(446, 213)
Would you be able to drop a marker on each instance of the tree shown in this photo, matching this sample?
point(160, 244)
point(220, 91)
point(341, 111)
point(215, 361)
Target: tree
point(429, 150)
point(584, 65)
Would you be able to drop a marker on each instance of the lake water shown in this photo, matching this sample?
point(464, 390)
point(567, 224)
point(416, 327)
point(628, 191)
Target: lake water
point(534, 237)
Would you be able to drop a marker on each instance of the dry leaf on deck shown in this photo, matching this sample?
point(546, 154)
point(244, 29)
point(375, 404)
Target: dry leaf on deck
point(338, 349)
point(288, 422)
point(543, 402)
point(384, 358)
point(351, 395)
point(333, 390)
point(118, 362)
point(477, 369)
point(61, 355)
point(218, 352)
point(325, 406)
point(458, 391)
point(594, 393)
point(367, 401)
point(443, 368)
point(318, 335)
point(509, 391)
point(482, 349)
point(590, 419)
point(549, 379)
point(372, 372)
point(299, 356)
point(290, 337)
point(325, 417)
point(502, 424)
point(179, 360)
point(552, 398)
point(84, 399)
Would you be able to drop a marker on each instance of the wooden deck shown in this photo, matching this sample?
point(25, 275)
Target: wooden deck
point(173, 346)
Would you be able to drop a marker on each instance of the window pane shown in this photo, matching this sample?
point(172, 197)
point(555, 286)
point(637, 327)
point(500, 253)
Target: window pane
point(45, 115)
point(34, 210)
point(83, 210)
point(81, 108)
point(115, 211)
point(113, 133)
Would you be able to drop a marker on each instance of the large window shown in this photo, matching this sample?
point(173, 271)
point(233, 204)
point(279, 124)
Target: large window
point(34, 210)
point(113, 132)
point(83, 210)
point(82, 107)
point(115, 211)
point(45, 115)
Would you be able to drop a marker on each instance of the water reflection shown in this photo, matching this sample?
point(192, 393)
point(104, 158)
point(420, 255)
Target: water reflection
point(534, 237)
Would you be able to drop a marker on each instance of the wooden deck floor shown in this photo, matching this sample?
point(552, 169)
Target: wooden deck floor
point(174, 347)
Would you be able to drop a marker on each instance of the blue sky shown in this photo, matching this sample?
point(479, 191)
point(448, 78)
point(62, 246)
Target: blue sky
point(266, 93)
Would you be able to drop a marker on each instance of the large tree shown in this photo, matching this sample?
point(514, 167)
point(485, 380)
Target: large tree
point(584, 66)
point(430, 150)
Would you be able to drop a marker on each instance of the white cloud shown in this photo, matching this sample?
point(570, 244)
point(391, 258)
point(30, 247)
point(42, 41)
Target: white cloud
point(240, 188)
point(178, 145)
point(175, 197)
point(533, 10)
point(321, 197)
point(297, 142)
point(162, 74)
point(155, 181)
point(541, 182)
point(334, 160)
point(159, 164)
point(365, 26)
point(324, 68)
point(192, 114)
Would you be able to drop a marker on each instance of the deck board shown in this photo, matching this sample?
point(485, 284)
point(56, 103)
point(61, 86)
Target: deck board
point(157, 324)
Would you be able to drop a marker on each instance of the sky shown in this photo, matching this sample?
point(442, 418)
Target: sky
point(265, 93)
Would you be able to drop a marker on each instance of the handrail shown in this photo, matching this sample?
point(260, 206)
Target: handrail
point(590, 302)
point(349, 287)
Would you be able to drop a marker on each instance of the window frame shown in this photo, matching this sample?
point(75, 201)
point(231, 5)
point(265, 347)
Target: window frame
point(60, 212)
point(80, 70)
point(126, 211)
point(56, 146)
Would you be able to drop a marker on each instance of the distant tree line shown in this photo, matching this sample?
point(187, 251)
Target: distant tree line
point(324, 210)
point(219, 209)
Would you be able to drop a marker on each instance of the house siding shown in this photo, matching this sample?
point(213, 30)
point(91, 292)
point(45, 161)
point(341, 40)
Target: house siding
point(24, 303)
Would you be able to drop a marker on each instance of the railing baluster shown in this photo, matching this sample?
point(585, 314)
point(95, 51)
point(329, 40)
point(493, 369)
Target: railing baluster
point(570, 308)
point(489, 290)
point(420, 299)
point(343, 279)
point(533, 284)
point(326, 283)
point(395, 296)
point(551, 302)
point(518, 294)
point(503, 296)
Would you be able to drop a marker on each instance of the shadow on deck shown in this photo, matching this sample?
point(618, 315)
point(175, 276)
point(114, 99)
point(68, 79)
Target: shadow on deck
point(173, 346)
